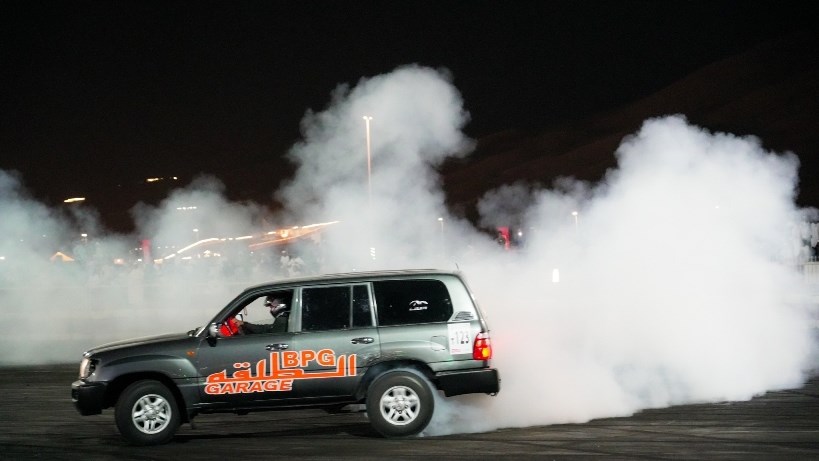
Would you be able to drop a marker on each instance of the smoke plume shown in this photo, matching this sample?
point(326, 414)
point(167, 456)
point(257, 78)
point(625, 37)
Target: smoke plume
point(673, 280)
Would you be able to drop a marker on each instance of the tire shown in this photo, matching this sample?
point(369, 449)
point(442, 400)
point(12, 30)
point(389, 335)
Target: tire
point(147, 414)
point(399, 404)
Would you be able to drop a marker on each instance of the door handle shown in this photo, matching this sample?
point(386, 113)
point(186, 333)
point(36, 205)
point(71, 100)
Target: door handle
point(362, 340)
point(277, 347)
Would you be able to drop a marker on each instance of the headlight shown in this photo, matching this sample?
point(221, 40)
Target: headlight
point(87, 366)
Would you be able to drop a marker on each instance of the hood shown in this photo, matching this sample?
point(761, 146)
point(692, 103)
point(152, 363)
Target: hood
point(138, 342)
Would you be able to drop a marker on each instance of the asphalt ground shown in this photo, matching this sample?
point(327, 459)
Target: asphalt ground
point(38, 421)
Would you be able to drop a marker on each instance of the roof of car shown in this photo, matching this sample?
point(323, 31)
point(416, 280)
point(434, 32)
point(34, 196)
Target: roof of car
point(337, 277)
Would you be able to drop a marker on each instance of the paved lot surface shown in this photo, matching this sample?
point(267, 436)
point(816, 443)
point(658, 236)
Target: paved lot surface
point(38, 421)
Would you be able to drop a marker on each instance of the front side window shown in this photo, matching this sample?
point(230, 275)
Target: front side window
point(268, 312)
point(335, 308)
point(402, 302)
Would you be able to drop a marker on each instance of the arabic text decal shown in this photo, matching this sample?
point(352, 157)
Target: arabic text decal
point(279, 371)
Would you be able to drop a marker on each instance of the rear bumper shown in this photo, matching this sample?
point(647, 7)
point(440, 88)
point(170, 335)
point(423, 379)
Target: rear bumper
point(88, 398)
point(479, 381)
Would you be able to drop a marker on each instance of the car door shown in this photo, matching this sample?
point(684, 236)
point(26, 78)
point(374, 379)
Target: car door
point(337, 339)
point(246, 369)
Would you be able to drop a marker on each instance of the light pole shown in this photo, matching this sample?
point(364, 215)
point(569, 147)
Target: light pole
point(574, 213)
point(441, 220)
point(367, 120)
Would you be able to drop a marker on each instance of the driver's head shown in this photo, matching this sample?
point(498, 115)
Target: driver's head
point(276, 305)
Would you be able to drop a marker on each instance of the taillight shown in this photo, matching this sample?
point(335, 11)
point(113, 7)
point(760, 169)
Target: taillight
point(482, 348)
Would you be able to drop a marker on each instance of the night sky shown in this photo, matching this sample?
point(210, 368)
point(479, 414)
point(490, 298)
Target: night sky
point(97, 96)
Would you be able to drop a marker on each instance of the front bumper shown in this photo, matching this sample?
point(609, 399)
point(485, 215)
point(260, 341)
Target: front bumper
point(88, 397)
point(479, 381)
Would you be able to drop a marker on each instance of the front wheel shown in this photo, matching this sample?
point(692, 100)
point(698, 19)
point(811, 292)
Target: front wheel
point(146, 413)
point(399, 403)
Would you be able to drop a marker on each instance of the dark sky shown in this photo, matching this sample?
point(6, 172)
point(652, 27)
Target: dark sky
point(104, 93)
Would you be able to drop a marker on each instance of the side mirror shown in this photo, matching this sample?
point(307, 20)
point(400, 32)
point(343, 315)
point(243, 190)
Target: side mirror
point(213, 330)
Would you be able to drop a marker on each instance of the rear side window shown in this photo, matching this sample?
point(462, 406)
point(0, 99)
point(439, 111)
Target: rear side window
point(335, 308)
point(401, 302)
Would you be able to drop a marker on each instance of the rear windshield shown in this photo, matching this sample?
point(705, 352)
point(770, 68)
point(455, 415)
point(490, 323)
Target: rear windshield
point(401, 302)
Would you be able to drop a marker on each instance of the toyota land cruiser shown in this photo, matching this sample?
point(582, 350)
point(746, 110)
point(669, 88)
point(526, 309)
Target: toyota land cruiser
point(387, 340)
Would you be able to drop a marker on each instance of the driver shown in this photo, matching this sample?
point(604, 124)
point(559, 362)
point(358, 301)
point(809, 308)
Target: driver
point(278, 310)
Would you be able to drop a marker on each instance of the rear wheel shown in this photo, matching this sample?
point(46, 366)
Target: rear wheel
point(146, 413)
point(399, 403)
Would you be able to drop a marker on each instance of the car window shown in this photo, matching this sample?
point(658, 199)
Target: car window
point(258, 316)
point(335, 308)
point(256, 312)
point(411, 301)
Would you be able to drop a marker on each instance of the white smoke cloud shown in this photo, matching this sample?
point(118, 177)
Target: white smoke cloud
point(417, 117)
point(58, 309)
point(201, 206)
point(677, 275)
point(678, 284)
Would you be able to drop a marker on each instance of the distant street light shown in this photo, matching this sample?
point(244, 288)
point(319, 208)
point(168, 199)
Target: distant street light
point(574, 213)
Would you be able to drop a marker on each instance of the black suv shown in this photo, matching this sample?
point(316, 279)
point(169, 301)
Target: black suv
point(384, 339)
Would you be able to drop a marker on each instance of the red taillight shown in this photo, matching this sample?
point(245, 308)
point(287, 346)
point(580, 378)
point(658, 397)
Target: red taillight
point(482, 349)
